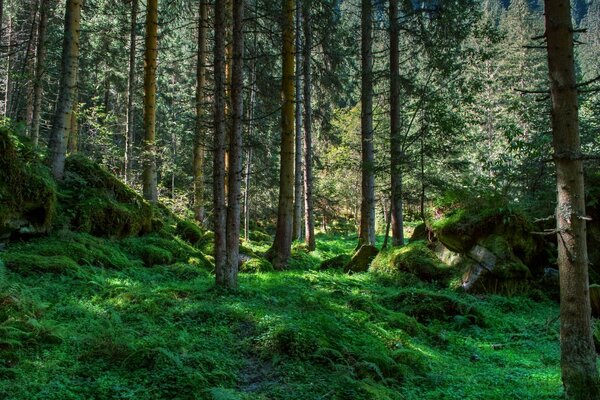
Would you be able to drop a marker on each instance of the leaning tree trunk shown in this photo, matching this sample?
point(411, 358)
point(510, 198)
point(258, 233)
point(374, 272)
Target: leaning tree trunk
point(282, 244)
point(297, 226)
point(235, 147)
point(130, 117)
point(38, 78)
point(367, 208)
point(396, 222)
point(578, 357)
point(219, 211)
point(199, 137)
point(149, 179)
point(68, 82)
point(309, 222)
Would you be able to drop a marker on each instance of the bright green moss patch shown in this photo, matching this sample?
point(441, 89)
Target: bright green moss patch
point(257, 264)
point(27, 264)
point(415, 258)
point(188, 231)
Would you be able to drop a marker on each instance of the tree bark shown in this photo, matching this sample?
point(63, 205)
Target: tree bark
point(219, 210)
point(298, 198)
point(367, 209)
point(9, 68)
point(200, 137)
point(235, 147)
point(247, 193)
point(130, 113)
point(309, 222)
point(40, 60)
point(397, 220)
point(73, 141)
point(149, 179)
point(68, 82)
point(578, 357)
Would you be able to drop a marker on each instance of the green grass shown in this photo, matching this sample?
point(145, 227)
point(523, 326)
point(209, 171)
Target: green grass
point(164, 332)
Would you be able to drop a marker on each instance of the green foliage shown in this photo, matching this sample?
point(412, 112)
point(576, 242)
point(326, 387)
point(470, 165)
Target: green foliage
point(27, 190)
point(415, 258)
point(337, 262)
point(256, 264)
point(158, 249)
point(188, 231)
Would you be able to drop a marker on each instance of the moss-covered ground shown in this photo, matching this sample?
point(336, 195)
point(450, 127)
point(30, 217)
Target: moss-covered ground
point(101, 330)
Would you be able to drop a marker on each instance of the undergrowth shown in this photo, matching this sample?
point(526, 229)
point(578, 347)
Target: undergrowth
point(114, 328)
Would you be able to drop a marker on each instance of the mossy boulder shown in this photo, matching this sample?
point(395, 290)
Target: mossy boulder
point(188, 231)
point(29, 264)
point(337, 262)
point(361, 260)
point(421, 232)
point(256, 264)
point(415, 258)
point(96, 202)
point(259, 236)
point(28, 194)
point(206, 244)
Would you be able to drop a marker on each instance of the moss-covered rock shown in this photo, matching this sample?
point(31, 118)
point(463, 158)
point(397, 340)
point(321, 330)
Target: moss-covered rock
point(259, 236)
point(161, 249)
point(206, 244)
point(27, 191)
point(361, 260)
point(415, 258)
point(421, 232)
point(28, 264)
point(256, 264)
point(337, 262)
point(188, 231)
point(96, 202)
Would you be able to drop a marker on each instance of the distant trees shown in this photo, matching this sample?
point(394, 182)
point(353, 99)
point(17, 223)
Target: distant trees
point(149, 178)
point(578, 355)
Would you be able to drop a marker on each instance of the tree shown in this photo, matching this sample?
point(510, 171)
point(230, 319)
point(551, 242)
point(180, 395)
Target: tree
point(40, 60)
point(309, 223)
point(199, 137)
point(298, 186)
point(149, 178)
point(367, 208)
point(68, 82)
point(578, 357)
point(396, 220)
point(130, 116)
point(280, 252)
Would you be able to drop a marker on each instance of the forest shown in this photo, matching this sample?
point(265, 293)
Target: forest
point(299, 199)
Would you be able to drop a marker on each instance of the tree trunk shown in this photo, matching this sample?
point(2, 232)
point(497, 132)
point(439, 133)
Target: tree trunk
point(247, 194)
point(149, 179)
point(68, 82)
point(199, 137)
point(397, 221)
point(220, 213)
point(9, 68)
point(40, 60)
point(298, 198)
point(73, 141)
point(235, 147)
point(130, 113)
point(578, 357)
point(282, 244)
point(367, 208)
point(309, 222)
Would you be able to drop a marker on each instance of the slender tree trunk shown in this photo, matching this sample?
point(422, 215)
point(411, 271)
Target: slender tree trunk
point(9, 63)
point(282, 244)
point(367, 209)
point(247, 194)
point(130, 114)
point(73, 141)
point(235, 146)
point(38, 79)
point(149, 179)
point(68, 83)
point(220, 212)
point(298, 198)
point(309, 222)
point(422, 167)
point(578, 356)
point(199, 138)
point(397, 221)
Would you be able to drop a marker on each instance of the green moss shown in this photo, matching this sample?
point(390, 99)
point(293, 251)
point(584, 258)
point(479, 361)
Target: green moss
point(258, 264)
point(27, 264)
point(259, 236)
point(95, 201)
point(188, 231)
point(337, 262)
point(206, 244)
point(415, 258)
point(161, 248)
point(361, 260)
point(27, 190)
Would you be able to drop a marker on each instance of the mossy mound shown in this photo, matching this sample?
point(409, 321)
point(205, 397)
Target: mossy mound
point(259, 236)
point(188, 231)
point(96, 202)
point(27, 191)
point(256, 264)
point(361, 260)
point(337, 262)
point(163, 249)
point(421, 232)
point(426, 306)
point(415, 258)
point(29, 264)
point(206, 243)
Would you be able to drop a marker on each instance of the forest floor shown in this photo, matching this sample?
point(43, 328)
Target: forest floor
point(166, 333)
